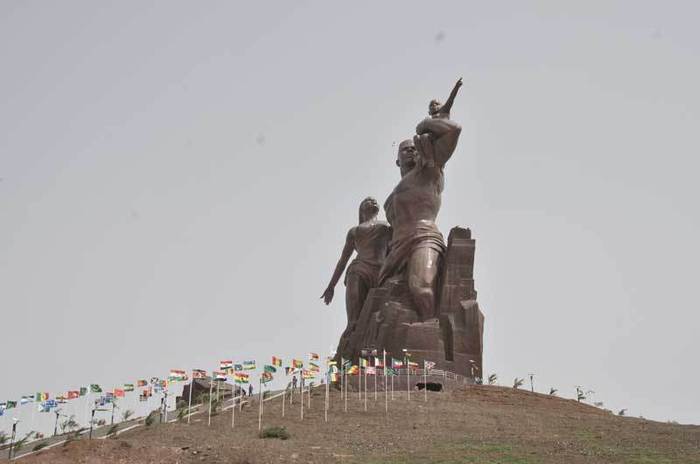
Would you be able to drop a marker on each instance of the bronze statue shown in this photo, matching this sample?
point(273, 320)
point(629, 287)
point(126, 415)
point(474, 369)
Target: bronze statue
point(370, 239)
point(417, 245)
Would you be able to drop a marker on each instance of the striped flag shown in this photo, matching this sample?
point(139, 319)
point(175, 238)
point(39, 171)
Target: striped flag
point(297, 363)
point(219, 375)
point(266, 377)
point(240, 377)
point(428, 365)
point(314, 367)
point(353, 370)
point(128, 387)
point(225, 365)
point(371, 370)
point(199, 374)
point(378, 362)
point(141, 383)
point(119, 393)
point(308, 374)
point(396, 363)
point(276, 361)
point(289, 370)
point(41, 396)
point(248, 365)
point(177, 375)
point(364, 362)
point(73, 394)
point(314, 356)
point(269, 369)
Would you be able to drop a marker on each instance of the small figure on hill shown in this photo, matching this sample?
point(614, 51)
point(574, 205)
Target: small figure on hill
point(250, 390)
point(294, 382)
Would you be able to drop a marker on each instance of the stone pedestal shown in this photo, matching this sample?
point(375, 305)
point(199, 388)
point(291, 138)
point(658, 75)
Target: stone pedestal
point(453, 340)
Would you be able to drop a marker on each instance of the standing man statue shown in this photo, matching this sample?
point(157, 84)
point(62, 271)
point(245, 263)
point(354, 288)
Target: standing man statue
point(370, 239)
point(417, 245)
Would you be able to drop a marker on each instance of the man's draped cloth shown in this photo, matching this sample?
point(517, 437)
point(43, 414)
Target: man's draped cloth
point(424, 234)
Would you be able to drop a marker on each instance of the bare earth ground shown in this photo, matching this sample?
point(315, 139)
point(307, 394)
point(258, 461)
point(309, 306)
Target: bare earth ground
point(477, 424)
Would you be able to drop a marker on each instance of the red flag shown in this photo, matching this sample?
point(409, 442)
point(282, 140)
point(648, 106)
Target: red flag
point(73, 394)
point(119, 393)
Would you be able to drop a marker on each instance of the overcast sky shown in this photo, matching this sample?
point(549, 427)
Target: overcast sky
point(177, 179)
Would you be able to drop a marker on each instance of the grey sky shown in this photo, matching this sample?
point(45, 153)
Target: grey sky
point(178, 179)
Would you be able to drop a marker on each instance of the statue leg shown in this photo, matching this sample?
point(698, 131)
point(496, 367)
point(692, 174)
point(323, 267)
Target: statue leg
point(422, 274)
point(356, 290)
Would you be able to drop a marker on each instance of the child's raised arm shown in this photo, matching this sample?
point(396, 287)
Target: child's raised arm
point(451, 99)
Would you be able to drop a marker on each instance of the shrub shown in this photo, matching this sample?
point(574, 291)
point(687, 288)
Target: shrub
point(151, 418)
point(492, 379)
point(275, 432)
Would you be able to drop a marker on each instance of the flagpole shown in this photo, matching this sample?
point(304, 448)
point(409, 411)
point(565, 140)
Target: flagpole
point(87, 407)
point(386, 392)
point(284, 400)
point(408, 377)
point(365, 389)
point(211, 390)
point(233, 408)
point(425, 381)
point(345, 374)
point(260, 406)
point(375, 383)
point(359, 383)
point(301, 393)
point(189, 401)
point(325, 406)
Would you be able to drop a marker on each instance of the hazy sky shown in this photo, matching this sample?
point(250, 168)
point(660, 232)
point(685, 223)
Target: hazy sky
point(177, 179)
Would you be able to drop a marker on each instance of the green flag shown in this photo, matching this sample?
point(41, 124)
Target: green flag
point(83, 391)
point(94, 388)
point(128, 387)
point(270, 369)
point(11, 404)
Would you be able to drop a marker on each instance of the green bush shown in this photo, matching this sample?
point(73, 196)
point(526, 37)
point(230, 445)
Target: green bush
point(275, 432)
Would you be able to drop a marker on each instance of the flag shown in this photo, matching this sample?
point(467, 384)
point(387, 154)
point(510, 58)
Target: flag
point(371, 370)
point(199, 374)
point(155, 380)
point(219, 375)
point(364, 362)
point(289, 370)
point(331, 362)
point(163, 384)
point(412, 364)
point(276, 361)
point(41, 396)
point(240, 377)
point(269, 369)
point(128, 387)
point(391, 371)
point(428, 365)
point(378, 362)
point(10, 404)
point(396, 363)
point(238, 367)
point(83, 391)
point(225, 365)
point(61, 399)
point(334, 377)
point(141, 383)
point(346, 363)
point(119, 393)
point(314, 367)
point(353, 370)
point(94, 388)
point(177, 375)
point(308, 374)
point(297, 363)
point(266, 377)
point(248, 365)
point(314, 356)
point(25, 399)
point(73, 394)
point(45, 406)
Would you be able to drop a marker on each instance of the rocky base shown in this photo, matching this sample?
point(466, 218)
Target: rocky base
point(453, 340)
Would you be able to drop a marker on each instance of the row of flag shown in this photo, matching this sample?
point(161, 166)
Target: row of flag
point(227, 368)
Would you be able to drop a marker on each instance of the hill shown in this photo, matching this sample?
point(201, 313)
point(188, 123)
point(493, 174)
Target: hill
point(471, 424)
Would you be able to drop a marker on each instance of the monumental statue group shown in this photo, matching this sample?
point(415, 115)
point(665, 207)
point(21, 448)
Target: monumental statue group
point(407, 290)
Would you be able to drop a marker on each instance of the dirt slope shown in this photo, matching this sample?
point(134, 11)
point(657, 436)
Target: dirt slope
point(472, 425)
